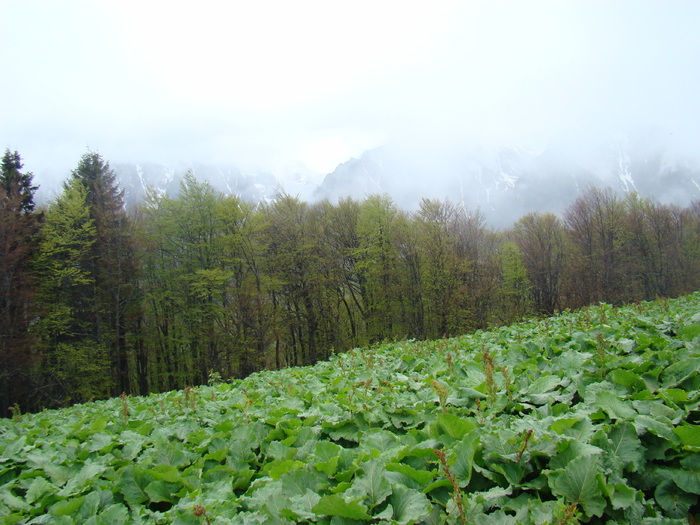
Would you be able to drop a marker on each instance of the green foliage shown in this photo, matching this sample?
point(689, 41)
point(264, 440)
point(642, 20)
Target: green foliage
point(199, 281)
point(515, 290)
point(62, 264)
point(83, 370)
point(76, 362)
point(393, 434)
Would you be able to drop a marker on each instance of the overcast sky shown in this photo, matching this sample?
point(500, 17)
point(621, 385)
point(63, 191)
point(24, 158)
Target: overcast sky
point(285, 83)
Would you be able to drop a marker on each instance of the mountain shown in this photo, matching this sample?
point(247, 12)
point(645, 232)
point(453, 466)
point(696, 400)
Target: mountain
point(137, 178)
point(506, 183)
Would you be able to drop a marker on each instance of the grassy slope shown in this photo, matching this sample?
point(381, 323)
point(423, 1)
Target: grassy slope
point(591, 416)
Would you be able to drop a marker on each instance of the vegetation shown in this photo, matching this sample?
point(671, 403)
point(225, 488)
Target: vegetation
point(96, 302)
point(588, 417)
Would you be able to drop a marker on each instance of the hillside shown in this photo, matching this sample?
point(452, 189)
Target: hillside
point(588, 417)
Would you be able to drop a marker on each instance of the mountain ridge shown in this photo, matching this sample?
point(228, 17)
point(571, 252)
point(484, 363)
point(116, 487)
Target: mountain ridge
point(504, 183)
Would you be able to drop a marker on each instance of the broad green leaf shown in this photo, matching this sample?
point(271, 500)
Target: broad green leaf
point(217, 455)
point(93, 502)
point(675, 501)
point(512, 472)
point(689, 436)
point(335, 505)
point(623, 377)
point(464, 452)
point(614, 406)
point(371, 483)
point(690, 332)
point(410, 506)
point(562, 424)
point(277, 468)
point(99, 424)
point(12, 501)
point(159, 491)
point(580, 484)
point(387, 443)
point(688, 476)
point(543, 384)
point(625, 445)
point(680, 371)
point(115, 514)
point(37, 489)
point(571, 450)
point(299, 481)
point(101, 442)
point(659, 428)
point(166, 452)
point(165, 473)
point(12, 449)
point(454, 426)
point(675, 395)
point(327, 456)
point(83, 477)
point(420, 477)
point(301, 506)
point(132, 484)
point(133, 444)
point(67, 507)
point(620, 496)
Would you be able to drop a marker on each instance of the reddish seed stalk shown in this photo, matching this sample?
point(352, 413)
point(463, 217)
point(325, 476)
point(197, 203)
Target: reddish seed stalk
point(455, 486)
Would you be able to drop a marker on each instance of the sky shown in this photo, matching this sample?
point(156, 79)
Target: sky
point(284, 86)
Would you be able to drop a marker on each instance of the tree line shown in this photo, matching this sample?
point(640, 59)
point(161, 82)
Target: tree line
point(96, 301)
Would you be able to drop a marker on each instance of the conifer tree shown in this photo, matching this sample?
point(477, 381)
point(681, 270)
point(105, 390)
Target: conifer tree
point(18, 227)
point(112, 265)
point(17, 186)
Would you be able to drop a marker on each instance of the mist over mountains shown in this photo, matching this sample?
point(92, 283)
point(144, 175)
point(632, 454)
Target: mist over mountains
point(508, 182)
point(504, 183)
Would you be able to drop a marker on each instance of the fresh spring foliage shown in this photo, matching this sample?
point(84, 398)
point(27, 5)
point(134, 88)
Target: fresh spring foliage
point(96, 300)
point(586, 417)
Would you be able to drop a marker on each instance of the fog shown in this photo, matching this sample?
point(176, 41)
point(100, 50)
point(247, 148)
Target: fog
point(290, 86)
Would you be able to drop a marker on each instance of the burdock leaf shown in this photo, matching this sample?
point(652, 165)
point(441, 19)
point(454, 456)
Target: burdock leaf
point(579, 483)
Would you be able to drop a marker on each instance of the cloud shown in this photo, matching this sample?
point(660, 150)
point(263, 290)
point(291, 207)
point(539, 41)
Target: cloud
point(277, 83)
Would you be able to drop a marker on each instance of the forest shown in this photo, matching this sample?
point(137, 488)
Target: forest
point(97, 300)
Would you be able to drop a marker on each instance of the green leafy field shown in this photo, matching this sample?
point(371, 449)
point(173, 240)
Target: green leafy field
point(591, 417)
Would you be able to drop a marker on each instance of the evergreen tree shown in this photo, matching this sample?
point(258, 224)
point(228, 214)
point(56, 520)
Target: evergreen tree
point(112, 266)
point(18, 228)
point(17, 186)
